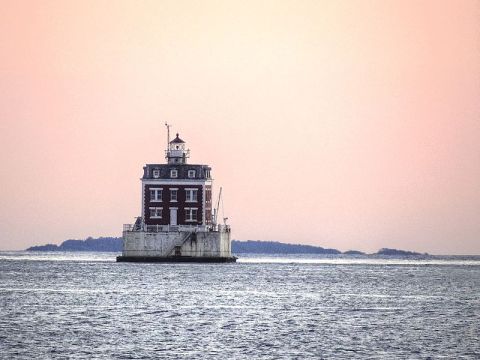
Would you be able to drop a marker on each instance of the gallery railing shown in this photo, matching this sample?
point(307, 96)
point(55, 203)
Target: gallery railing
point(175, 228)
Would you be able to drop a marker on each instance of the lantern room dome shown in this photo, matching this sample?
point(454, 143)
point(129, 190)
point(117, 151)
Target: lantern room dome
point(177, 140)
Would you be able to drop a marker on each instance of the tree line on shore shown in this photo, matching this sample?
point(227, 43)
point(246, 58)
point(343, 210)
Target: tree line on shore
point(114, 244)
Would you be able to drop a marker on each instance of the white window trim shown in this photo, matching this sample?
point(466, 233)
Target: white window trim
point(191, 191)
point(155, 216)
point(191, 174)
point(156, 171)
point(189, 218)
point(156, 190)
point(173, 171)
point(187, 190)
point(173, 189)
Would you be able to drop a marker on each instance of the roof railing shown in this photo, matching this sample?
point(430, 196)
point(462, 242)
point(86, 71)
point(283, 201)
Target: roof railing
point(177, 153)
point(176, 228)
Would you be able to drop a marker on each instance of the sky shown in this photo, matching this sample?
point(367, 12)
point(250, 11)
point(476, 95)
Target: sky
point(343, 124)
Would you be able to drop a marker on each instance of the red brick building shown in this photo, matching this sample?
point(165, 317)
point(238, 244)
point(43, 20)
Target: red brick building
point(176, 193)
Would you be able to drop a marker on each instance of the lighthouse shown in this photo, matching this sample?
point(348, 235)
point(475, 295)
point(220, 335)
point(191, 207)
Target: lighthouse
point(178, 222)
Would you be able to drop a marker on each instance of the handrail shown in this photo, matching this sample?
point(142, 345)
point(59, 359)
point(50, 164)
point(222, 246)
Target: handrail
point(176, 228)
point(177, 153)
point(127, 227)
point(169, 253)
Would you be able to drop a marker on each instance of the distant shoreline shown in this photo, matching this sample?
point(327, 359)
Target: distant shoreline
point(114, 244)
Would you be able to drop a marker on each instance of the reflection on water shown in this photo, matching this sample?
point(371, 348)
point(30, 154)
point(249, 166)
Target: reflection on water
point(359, 260)
point(260, 258)
point(84, 305)
point(57, 256)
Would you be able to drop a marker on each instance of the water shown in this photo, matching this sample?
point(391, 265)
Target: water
point(84, 305)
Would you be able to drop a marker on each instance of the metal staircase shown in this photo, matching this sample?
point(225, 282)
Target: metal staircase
point(176, 250)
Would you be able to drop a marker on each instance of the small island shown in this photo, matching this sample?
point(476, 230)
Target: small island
point(395, 252)
point(102, 244)
point(353, 252)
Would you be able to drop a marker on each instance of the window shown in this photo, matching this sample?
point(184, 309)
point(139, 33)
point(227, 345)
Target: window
point(155, 194)
point(191, 214)
point(173, 195)
point(207, 174)
point(173, 173)
point(191, 173)
point(191, 195)
point(208, 195)
point(156, 173)
point(156, 212)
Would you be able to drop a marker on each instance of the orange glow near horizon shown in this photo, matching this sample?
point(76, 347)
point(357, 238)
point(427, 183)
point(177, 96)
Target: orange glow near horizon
point(352, 125)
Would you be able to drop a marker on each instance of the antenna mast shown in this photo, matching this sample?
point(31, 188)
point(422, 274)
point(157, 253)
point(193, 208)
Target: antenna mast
point(168, 134)
point(218, 205)
point(167, 152)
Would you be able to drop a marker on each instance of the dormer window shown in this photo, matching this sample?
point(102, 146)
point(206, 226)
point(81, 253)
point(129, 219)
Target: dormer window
point(191, 174)
point(174, 173)
point(156, 173)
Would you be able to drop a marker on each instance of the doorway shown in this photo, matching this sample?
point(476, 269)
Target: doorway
point(173, 216)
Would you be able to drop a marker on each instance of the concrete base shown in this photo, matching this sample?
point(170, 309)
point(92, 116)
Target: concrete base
point(176, 259)
point(176, 244)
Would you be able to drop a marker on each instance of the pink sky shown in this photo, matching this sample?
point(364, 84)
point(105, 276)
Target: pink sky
point(353, 125)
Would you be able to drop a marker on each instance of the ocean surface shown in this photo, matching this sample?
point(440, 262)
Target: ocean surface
point(87, 306)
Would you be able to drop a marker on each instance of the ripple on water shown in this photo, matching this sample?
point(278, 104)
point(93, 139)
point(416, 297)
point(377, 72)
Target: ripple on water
point(83, 308)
